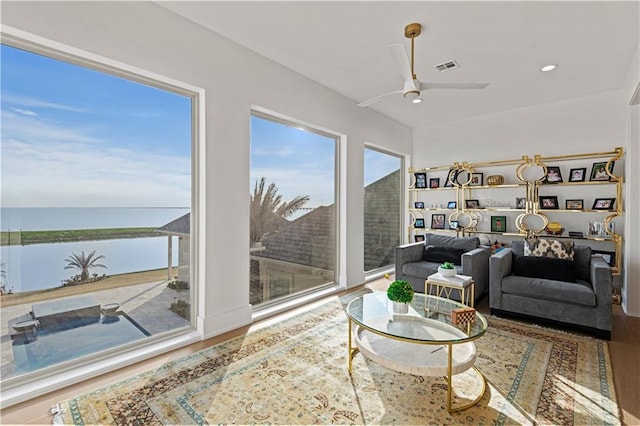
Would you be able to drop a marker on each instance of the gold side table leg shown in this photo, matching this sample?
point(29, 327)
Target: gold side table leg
point(352, 351)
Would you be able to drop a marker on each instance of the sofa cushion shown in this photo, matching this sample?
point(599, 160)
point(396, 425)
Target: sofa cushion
point(464, 243)
point(544, 267)
point(543, 247)
point(423, 269)
point(582, 261)
point(578, 293)
point(443, 254)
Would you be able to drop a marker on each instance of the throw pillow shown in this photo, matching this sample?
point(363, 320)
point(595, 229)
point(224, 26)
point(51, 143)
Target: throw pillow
point(548, 268)
point(542, 247)
point(443, 254)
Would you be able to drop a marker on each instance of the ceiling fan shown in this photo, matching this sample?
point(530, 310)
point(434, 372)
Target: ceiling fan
point(412, 86)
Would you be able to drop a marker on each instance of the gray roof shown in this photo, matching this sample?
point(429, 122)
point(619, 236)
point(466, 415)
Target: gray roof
point(179, 226)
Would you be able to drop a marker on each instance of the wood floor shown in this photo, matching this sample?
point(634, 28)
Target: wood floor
point(624, 348)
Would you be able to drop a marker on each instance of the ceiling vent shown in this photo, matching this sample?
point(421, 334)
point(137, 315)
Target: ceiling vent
point(446, 66)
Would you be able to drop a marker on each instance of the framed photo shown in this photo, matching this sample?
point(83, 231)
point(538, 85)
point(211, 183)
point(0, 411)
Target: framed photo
point(437, 221)
point(418, 205)
point(574, 204)
point(454, 224)
point(599, 172)
point(553, 175)
point(612, 228)
point(477, 179)
point(472, 204)
point(434, 183)
point(548, 202)
point(609, 256)
point(421, 180)
point(419, 223)
point(577, 175)
point(603, 203)
point(595, 228)
point(521, 202)
point(451, 205)
point(498, 224)
point(419, 238)
point(451, 177)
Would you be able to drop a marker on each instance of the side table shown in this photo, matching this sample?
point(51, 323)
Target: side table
point(464, 284)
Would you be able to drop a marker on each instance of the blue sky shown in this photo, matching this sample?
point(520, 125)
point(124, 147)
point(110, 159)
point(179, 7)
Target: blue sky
point(76, 137)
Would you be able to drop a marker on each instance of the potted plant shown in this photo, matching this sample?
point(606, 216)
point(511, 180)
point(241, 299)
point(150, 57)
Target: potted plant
point(400, 292)
point(447, 269)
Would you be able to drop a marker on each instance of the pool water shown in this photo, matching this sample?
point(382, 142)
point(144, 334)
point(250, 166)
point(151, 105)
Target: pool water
point(77, 339)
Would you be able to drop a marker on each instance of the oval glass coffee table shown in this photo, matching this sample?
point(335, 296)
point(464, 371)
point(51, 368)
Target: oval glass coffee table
point(423, 342)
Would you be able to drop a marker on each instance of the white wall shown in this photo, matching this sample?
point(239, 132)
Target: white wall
point(147, 36)
point(594, 123)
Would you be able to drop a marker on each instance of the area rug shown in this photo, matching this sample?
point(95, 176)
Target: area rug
point(295, 372)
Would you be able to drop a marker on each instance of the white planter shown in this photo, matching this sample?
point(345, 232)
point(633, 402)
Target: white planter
point(400, 308)
point(446, 272)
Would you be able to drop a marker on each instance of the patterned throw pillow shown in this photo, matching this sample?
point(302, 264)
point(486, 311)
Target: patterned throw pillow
point(549, 248)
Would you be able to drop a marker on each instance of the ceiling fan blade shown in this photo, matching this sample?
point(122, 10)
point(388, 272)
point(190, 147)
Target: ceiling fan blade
point(401, 58)
point(377, 98)
point(424, 85)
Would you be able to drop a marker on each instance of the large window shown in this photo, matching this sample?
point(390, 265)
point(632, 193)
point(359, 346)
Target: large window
point(95, 204)
point(382, 208)
point(293, 209)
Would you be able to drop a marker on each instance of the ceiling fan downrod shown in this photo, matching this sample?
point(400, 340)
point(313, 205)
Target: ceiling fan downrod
point(412, 31)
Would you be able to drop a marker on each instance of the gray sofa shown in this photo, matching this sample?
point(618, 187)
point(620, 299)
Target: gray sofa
point(584, 304)
point(412, 266)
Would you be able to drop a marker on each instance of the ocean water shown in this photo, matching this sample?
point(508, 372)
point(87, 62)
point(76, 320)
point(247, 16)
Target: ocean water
point(41, 266)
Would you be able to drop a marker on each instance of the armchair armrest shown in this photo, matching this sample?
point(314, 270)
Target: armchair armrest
point(499, 267)
point(475, 263)
point(413, 252)
point(601, 281)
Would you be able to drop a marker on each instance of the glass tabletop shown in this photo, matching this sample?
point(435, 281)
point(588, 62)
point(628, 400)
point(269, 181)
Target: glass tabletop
point(428, 319)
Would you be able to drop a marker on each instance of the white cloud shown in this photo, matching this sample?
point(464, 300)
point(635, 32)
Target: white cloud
point(9, 98)
point(24, 111)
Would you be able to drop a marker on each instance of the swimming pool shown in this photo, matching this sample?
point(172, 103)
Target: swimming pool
point(74, 340)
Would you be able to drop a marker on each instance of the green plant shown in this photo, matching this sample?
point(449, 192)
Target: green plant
point(181, 308)
point(447, 265)
point(400, 291)
point(178, 285)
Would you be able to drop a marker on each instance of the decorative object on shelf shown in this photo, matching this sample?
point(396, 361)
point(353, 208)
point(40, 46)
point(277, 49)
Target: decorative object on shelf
point(574, 204)
point(463, 316)
point(576, 234)
point(611, 226)
point(603, 203)
point(521, 202)
point(554, 228)
point(451, 178)
point(447, 269)
point(419, 223)
point(434, 183)
point(472, 204)
point(599, 172)
point(418, 205)
point(400, 292)
point(609, 256)
point(452, 205)
point(577, 175)
point(596, 229)
point(476, 179)
point(553, 175)
point(437, 221)
point(419, 238)
point(548, 202)
point(498, 224)
point(453, 225)
point(495, 180)
point(421, 180)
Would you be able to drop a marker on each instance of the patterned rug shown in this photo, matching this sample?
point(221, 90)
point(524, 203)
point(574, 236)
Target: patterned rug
point(294, 372)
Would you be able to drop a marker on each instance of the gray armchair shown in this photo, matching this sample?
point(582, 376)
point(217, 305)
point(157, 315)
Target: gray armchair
point(412, 264)
point(584, 304)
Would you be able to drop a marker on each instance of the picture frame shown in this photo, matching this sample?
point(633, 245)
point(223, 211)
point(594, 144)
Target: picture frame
point(595, 228)
point(577, 175)
point(452, 205)
point(554, 175)
point(419, 223)
point(437, 221)
point(419, 238)
point(452, 175)
point(611, 227)
point(418, 205)
point(421, 180)
point(454, 225)
point(477, 179)
point(521, 202)
point(574, 204)
point(472, 204)
point(598, 171)
point(603, 204)
point(434, 183)
point(609, 256)
point(548, 202)
point(498, 224)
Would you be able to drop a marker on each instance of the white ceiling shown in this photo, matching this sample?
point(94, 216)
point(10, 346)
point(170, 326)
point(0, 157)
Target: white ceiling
point(345, 47)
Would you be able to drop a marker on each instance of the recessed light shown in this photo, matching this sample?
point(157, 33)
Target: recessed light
point(549, 67)
point(416, 100)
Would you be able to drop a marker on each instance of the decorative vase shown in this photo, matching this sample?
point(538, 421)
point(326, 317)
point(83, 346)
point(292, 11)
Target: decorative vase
point(446, 272)
point(495, 180)
point(400, 308)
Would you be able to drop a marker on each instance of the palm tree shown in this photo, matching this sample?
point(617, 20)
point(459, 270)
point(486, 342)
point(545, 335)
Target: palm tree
point(84, 263)
point(268, 211)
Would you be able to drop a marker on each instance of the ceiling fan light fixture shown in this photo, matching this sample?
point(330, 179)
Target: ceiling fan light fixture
point(549, 67)
point(412, 95)
point(416, 100)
